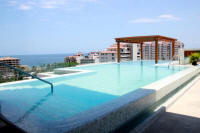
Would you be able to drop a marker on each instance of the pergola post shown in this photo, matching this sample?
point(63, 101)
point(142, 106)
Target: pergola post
point(118, 51)
point(173, 49)
point(141, 50)
point(156, 51)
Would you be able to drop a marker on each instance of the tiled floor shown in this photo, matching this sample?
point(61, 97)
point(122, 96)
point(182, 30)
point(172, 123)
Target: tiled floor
point(183, 116)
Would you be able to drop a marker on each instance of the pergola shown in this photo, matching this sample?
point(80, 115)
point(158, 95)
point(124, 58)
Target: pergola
point(141, 39)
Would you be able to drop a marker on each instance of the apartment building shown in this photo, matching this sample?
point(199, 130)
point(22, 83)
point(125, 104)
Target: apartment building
point(94, 56)
point(15, 62)
point(125, 50)
point(108, 56)
point(76, 57)
point(164, 48)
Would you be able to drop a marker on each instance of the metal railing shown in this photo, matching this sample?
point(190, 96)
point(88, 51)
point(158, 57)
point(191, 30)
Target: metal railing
point(25, 73)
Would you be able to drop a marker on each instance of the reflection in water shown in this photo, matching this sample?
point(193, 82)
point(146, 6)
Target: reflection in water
point(118, 74)
point(141, 63)
point(35, 106)
point(141, 69)
point(156, 72)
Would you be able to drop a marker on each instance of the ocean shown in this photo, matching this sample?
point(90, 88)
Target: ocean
point(37, 60)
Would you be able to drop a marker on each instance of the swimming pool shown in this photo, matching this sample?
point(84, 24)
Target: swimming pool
point(32, 107)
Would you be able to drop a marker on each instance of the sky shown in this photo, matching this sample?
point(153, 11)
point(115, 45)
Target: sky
point(69, 26)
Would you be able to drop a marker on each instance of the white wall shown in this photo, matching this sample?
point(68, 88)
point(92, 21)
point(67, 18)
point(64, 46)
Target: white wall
point(134, 52)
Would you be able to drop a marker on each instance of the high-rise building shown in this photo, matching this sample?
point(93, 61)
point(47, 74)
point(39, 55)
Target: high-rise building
point(164, 49)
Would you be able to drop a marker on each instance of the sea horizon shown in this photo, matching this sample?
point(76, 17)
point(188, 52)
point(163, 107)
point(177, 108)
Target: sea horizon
point(39, 59)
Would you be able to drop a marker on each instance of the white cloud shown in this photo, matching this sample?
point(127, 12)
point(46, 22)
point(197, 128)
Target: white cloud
point(161, 18)
point(168, 17)
point(47, 4)
point(24, 7)
point(144, 20)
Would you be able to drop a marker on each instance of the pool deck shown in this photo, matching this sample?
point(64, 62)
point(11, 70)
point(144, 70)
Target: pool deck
point(181, 117)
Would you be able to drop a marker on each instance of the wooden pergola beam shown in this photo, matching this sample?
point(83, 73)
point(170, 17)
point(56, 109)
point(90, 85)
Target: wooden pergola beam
point(137, 39)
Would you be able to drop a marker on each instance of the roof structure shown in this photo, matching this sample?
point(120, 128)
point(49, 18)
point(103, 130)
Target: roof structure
point(108, 52)
point(139, 39)
point(8, 58)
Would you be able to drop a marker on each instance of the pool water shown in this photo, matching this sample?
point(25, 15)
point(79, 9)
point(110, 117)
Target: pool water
point(32, 106)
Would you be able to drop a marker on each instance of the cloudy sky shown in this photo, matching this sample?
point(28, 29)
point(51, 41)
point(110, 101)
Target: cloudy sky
point(68, 26)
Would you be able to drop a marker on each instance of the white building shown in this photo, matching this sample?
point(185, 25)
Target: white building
point(125, 50)
point(78, 57)
point(164, 48)
point(95, 56)
point(108, 56)
point(135, 52)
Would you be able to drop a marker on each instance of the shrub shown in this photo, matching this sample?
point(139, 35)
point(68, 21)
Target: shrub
point(194, 58)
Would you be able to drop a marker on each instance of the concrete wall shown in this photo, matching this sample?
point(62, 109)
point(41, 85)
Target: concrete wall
point(181, 56)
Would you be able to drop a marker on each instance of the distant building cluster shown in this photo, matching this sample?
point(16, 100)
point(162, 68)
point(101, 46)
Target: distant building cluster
point(92, 57)
point(129, 51)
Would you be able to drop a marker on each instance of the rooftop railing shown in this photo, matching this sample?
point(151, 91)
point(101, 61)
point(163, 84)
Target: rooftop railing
point(25, 73)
